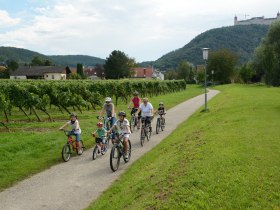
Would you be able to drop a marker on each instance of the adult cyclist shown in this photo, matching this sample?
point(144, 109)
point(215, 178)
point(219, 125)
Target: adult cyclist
point(147, 112)
point(109, 108)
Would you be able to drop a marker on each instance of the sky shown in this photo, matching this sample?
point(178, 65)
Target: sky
point(143, 29)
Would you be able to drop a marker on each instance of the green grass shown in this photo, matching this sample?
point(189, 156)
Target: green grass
point(31, 147)
point(227, 158)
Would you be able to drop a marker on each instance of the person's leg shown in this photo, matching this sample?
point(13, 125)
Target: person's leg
point(79, 146)
point(112, 122)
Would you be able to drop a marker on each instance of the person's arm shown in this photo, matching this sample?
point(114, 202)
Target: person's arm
point(110, 130)
point(94, 134)
point(62, 127)
point(113, 110)
point(128, 128)
point(102, 111)
point(128, 106)
point(77, 126)
point(136, 113)
point(152, 109)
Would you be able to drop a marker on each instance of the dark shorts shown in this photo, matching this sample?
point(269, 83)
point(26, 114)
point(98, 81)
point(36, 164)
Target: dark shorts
point(146, 120)
point(100, 140)
point(134, 110)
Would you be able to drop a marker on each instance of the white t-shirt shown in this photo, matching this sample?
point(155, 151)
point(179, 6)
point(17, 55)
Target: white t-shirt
point(146, 111)
point(122, 126)
point(73, 126)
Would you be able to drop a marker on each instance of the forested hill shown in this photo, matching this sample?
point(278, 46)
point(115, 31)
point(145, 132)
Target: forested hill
point(239, 39)
point(23, 56)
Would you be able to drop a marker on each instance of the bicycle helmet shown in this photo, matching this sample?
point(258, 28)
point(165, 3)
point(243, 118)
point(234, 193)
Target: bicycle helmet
point(73, 115)
point(136, 93)
point(99, 124)
point(108, 99)
point(160, 103)
point(122, 113)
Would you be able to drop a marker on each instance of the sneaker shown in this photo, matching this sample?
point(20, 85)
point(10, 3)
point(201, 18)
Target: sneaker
point(126, 155)
point(80, 152)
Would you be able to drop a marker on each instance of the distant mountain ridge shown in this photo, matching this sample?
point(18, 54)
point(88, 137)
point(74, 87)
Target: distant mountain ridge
point(239, 39)
point(24, 56)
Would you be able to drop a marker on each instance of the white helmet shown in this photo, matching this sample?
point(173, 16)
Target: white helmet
point(108, 99)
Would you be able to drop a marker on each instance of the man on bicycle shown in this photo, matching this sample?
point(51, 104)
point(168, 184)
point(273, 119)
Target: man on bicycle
point(109, 108)
point(122, 126)
point(136, 103)
point(146, 109)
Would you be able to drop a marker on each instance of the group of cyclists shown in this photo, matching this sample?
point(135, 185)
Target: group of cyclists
point(143, 110)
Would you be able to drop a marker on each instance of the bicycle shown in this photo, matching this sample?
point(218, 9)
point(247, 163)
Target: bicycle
point(71, 145)
point(117, 152)
point(97, 149)
point(160, 123)
point(133, 120)
point(146, 131)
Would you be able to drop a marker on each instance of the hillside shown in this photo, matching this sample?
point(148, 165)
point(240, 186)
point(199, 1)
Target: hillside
point(239, 39)
point(23, 56)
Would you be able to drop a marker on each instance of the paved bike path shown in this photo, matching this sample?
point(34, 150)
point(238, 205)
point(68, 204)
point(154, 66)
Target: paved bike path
point(73, 185)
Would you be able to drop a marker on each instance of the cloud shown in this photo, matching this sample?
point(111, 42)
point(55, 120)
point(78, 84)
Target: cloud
point(143, 29)
point(6, 20)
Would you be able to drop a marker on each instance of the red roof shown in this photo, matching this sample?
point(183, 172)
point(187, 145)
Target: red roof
point(143, 72)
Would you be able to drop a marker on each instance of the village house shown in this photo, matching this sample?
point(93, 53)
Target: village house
point(146, 72)
point(40, 72)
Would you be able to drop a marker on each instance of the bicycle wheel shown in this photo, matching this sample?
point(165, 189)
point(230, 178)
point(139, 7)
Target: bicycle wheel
point(148, 133)
point(162, 124)
point(95, 152)
point(158, 126)
point(132, 124)
point(66, 152)
point(142, 136)
point(129, 152)
point(115, 158)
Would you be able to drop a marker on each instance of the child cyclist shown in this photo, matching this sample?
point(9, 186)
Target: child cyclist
point(122, 126)
point(136, 101)
point(161, 109)
point(75, 130)
point(100, 136)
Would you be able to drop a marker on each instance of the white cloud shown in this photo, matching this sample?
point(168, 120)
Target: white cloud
point(6, 20)
point(144, 29)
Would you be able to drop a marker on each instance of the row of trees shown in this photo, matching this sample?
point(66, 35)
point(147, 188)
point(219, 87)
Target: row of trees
point(31, 96)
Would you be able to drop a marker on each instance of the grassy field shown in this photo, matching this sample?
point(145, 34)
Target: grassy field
point(31, 147)
point(228, 158)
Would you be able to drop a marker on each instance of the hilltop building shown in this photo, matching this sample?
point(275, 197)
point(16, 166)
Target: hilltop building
point(257, 20)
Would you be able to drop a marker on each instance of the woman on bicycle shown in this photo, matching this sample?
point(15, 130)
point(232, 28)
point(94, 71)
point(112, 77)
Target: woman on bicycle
point(122, 126)
point(109, 108)
point(76, 130)
point(146, 109)
point(100, 136)
point(136, 101)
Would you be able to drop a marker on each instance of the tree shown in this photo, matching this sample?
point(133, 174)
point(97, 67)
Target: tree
point(80, 70)
point(246, 73)
point(267, 61)
point(183, 70)
point(222, 62)
point(37, 61)
point(118, 65)
point(12, 64)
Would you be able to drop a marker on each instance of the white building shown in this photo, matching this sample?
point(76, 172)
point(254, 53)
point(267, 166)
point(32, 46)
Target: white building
point(257, 20)
point(39, 72)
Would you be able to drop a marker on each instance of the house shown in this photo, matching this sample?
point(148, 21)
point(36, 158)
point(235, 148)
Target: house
point(146, 72)
point(39, 72)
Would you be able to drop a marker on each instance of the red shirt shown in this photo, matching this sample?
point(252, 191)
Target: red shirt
point(136, 102)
